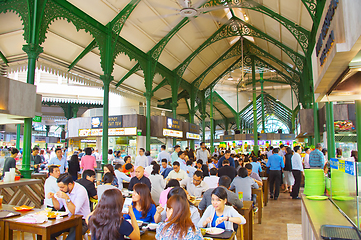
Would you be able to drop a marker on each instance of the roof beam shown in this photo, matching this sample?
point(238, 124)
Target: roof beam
point(2, 56)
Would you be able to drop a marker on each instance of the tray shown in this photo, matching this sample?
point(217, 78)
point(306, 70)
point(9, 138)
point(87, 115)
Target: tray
point(225, 235)
point(334, 232)
point(7, 214)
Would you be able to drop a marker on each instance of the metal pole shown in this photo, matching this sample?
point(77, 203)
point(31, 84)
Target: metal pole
point(255, 133)
point(358, 127)
point(212, 123)
point(18, 129)
point(105, 122)
point(262, 103)
point(203, 128)
point(330, 130)
point(315, 123)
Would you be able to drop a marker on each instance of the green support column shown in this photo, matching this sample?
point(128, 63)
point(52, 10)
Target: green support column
point(18, 130)
point(174, 106)
point(358, 127)
point(262, 102)
point(212, 123)
point(106, 80)
point(33, 52)
point(255, 134)
point(330, 131)
point(203, 116)
point(75, 110)
point(192, 112)
point(315, 123)
point(47, 129)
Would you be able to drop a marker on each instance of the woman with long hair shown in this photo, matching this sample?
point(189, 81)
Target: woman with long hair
point(109, 168)
point(107, 221)
point(74, 167)
point(218, 214)
point(160, 215)
point(158, 183)
point(178, 224)
point(288, 178)
point(143, 205)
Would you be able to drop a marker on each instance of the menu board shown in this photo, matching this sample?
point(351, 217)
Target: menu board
point(193, 136)
point(131, 131)
point(172, 133)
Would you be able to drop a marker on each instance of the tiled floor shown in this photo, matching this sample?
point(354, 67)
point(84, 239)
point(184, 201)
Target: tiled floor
point(276, 215)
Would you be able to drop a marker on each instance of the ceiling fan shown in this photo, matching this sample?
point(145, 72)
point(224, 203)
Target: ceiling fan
point(190, 9)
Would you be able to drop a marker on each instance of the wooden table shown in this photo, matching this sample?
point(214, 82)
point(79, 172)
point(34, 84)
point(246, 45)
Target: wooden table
point(43, 230)
point(150, 235)
point(265, 190)
point(259, 194)
point(25, 191)
point(247, 212)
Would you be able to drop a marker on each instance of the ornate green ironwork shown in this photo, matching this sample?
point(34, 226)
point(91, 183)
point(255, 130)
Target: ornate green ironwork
point(311, 6)
point(296, 30)
point(88, 49)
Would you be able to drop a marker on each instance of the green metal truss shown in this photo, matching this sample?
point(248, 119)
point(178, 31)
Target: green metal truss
point(311, 6)
point(237, 27)
point(2, 56)
point(296, 30)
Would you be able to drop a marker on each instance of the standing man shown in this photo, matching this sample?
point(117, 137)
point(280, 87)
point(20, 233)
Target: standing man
point(296, 171)
point(35, 159)
point(270, 152)
point(275, 164)
point(51, 185)
point(141, 159)
point(163, 154)
point(306, 160)
point(227, 156)
point(181, 161)
point(316, 159)
point(202, 153)
point(175, 153)
point(74, 198)
point(60, 160)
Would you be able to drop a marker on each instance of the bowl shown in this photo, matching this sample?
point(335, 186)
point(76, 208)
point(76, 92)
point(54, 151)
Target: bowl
point(152, 226)
point(140, 223)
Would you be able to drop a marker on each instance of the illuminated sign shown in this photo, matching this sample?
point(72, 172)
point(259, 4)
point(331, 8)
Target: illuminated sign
point(324, 31)
point(172, 133)
point(113, 122)
point(131, 131)
point(173, 124)
point(193, 136)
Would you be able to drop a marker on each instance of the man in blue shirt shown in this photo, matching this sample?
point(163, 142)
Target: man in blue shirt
point(316, 159)
point(275, 164)
point(59, 160)
point(165, 168)
point(163, 154)
point(227, 156)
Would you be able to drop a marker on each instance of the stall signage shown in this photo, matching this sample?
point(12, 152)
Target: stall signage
point(113, 122)
point(173, 124)
point(37, 119)
point(324, 31)
point(88, 141)
point(228, 138)
point(343, 165)
point(172, 133)
point(193, 136)
point(131, 131)
point(193, 128)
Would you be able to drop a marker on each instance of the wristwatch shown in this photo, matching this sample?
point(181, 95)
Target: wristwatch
point(68, 200)
point(227, 219)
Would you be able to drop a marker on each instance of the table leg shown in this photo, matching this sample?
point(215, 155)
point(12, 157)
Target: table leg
point(8, 232)
point(259, 200)
point(46, 234)
point(250, 232)
point(78, 229)
point(39, 237)
point(2, 230)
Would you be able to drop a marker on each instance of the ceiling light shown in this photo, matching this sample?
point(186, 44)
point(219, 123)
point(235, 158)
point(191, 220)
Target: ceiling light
point(246, 18)
point(249, 100)
point(230, 78)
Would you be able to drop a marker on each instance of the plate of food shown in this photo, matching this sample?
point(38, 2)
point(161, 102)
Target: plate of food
point(23, 208)
point(214, 230)
point(54, 215)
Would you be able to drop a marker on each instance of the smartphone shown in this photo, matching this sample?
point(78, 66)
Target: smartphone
point(127, 202)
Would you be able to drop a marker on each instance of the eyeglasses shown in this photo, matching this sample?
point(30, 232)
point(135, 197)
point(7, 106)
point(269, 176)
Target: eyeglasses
point(195, 180)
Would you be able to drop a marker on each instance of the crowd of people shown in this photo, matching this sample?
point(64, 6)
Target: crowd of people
point(162, 188)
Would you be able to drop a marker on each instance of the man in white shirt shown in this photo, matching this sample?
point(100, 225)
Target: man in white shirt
point(212, 181)
point(306, 159)
point(195, 186)
point(163, 155)
point(175, 153)
point(202, 153)
point(59, 160)
point(120, 176)
point(141, 159)
point(177, 173)
point(51, 185)
point(74, 198)
point(269, 153)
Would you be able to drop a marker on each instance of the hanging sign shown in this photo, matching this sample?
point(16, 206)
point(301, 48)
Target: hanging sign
point(131, 131)
point(37, 119)
point(113, 122)
point(172, 133)
point(343, 165)
point(193, 136)
point(173, 123)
